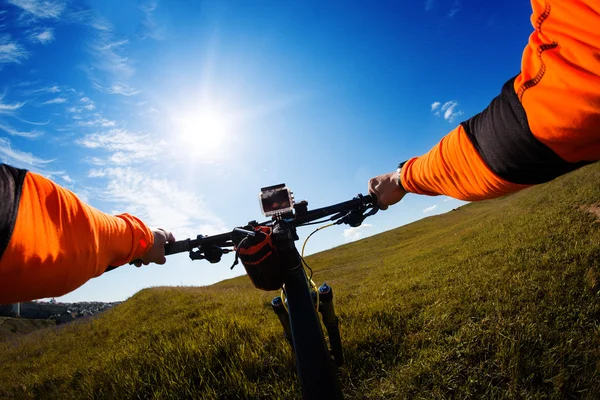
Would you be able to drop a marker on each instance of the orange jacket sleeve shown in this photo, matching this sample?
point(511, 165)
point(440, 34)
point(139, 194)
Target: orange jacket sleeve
point(58, 242)
point(545, 122)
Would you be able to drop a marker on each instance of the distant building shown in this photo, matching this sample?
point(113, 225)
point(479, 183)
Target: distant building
point(10, 310)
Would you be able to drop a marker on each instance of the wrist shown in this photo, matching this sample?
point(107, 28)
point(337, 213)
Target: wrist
point(399, 176)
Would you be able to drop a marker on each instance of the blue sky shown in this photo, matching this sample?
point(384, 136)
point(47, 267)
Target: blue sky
point(179, 112)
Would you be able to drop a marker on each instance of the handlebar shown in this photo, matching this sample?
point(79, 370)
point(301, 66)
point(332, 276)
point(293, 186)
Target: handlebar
point(359, 205)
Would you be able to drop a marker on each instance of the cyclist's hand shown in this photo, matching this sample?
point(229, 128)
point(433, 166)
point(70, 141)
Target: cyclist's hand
point(385, 187)
point(156, 254)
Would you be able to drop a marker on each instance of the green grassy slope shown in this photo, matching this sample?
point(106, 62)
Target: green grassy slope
point(12, 327)
point(499, 299)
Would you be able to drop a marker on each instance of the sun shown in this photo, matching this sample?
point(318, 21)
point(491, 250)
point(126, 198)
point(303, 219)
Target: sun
point(205, 132)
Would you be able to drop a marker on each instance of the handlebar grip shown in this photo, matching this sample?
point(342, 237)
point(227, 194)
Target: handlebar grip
point(181, 246)
point(370, 199)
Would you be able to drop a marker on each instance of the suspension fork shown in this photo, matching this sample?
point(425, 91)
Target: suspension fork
point(313, 361)
point(331, 322)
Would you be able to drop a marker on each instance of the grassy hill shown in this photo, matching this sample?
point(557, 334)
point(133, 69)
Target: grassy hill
point(12, 327)
point(498, 299)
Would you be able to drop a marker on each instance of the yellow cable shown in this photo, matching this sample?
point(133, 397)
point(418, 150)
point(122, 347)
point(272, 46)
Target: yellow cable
point(312, 283)
point(304, 245)
point(315, 231)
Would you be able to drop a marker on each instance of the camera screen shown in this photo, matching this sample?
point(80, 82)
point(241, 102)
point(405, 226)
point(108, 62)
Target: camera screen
point(275, 201)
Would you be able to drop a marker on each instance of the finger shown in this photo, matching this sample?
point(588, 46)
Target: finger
point(137, 264)
point(161, 261)
point(146, 262)
point(170, 237)
point(372, 184)
point(164, 233)
point(381, 206)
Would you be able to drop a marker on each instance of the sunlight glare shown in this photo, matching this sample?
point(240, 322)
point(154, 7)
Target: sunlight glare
point(205, 133)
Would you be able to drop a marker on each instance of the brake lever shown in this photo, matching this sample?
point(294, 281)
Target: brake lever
point(210, 253)
point(356, 217)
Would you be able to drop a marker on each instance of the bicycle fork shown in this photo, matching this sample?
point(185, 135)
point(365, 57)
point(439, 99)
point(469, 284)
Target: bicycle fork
point(328, 316)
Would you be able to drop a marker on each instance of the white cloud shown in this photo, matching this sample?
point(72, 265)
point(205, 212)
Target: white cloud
point(158, 202)
point(149, 25)
point(126, 147)
point(89, 104)
point(19, 158)
point(67, 179)
point(57, 100)
point(9, 108)
point(40, 8)
point(455, 9)
point(109, 67)
point(14, 132)
point(98, 121)
point(449, 110)
point(96, 173)
point(430, 209)
point(11, 51)
point(116, 88)
point(353, 234)
point(31, 122)
point(44, 37)
point(50, 89)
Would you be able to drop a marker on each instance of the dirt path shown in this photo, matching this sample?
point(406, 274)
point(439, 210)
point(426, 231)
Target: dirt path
point(594, 209)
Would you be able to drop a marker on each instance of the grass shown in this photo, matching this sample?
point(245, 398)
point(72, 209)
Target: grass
point(498, 299)
point(12, 327)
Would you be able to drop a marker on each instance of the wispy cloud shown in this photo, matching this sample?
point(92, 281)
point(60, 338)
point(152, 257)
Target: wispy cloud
point(430, 209)
point(98, 121)
point(89, 104)
point(47, 89)
point(43, 37)
point(455, 9)
point(30, 122)
point(108, 57)
point(110, 67)
point(40, 8)
point(11, 51)
point(150, 29)
point(431, 4)
point(11, 131)
point(126, 147)
point(449, 110)
point(453, 12)
point(159, 202)
point(56, 100)
point(353, 234)
point(67, 179)
point(9, 108)
point(18, 158)
point(116, 88)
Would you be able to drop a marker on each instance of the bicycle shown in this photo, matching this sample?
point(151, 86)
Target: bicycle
point(271, 259)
